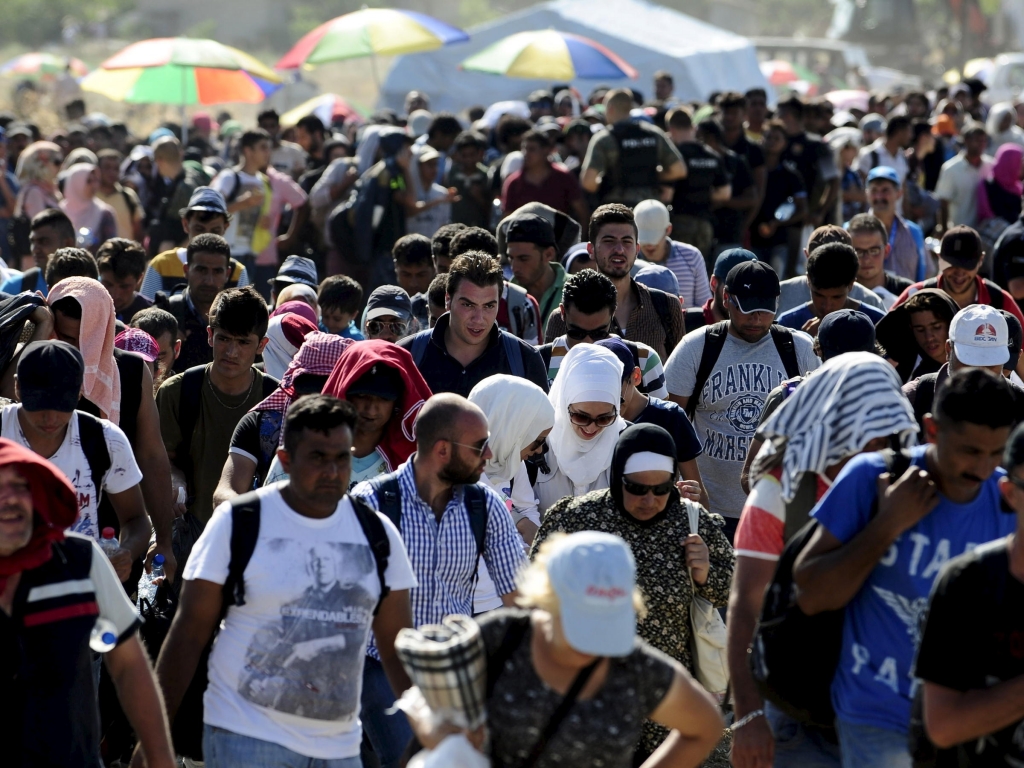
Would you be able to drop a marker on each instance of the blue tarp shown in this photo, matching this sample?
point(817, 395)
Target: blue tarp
point(701, 58)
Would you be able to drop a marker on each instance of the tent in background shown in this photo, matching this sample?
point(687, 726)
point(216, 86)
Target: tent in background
point(701, 58)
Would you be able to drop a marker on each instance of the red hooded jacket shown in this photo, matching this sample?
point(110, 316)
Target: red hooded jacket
point(399, 441)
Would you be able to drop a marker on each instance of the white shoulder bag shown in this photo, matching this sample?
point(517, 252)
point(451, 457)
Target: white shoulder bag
point(707, 642)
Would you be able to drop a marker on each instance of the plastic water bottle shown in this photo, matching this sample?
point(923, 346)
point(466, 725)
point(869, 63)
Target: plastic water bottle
point(104, 636)
point(108, 542)
point(157, 576)
point(150, 581)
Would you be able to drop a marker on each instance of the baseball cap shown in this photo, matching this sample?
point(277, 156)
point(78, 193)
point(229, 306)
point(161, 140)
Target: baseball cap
point(578, 251)
point(846, 330)
point(1016, 339)
point(728, 259)
point(19, 129)
point(381, 380)
point(961, 247)
point(621, 350)
point(389, 300)
point(205, 199)
point(50, 376)
point(531, 228)
point(872, 122)
point(754, 286)
point(979, 336)
point(594, 575)
point(427, 153)
point(297, 269)
point(884, 172)
point(657, 276)
point(652, 220)
point(138, 341)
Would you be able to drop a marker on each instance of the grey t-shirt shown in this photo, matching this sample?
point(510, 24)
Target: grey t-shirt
point(730, 404)
point(796, 291)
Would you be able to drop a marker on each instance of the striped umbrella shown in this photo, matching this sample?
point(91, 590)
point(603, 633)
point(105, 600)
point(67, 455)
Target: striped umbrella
point(549, 55)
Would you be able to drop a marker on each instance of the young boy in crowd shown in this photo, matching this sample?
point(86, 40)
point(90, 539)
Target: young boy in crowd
point(340, 298)
point(122, 263)
point(468, 175)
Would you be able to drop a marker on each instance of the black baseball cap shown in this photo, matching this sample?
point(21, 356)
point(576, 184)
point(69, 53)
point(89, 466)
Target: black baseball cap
point(846, 330)
point(205, 199)
point(1016, 339)
point(389, 300)
point(754, 287)
point(531, 228)
point(961, 247)
point(50, 376)
point(381, 380)
point(728, 259)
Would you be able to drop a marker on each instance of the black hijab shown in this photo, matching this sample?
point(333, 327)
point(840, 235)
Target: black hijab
point(640, 438)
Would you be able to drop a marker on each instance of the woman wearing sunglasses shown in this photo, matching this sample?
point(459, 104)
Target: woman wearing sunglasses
point(642, 506)
point(586, 398)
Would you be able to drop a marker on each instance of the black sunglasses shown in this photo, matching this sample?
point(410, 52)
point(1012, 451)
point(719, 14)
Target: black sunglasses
point(576, 333)
point(639, 489)
point(376, 326)
point(585, 419)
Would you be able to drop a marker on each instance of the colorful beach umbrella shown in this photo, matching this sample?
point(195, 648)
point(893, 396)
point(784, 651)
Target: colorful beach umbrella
point(371, 32)
point(184, 71)
point(549, 55)
point(779, 72)
point(42, 66)
point(328, 107)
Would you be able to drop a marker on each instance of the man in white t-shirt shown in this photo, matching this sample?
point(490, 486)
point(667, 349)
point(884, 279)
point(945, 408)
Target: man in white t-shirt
point(286, 670)
point(247, 192)
point(48, 384)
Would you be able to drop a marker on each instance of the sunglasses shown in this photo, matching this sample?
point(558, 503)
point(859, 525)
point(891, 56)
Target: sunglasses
point(585, 419)
point(377, 327)
point(477, 449)
point(576, 333)
point(639, 489)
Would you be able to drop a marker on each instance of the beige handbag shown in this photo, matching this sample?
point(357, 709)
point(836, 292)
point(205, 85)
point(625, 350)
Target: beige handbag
point(707, 642)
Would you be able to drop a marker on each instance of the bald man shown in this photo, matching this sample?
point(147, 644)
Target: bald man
point(448, 521)
point(299, 292)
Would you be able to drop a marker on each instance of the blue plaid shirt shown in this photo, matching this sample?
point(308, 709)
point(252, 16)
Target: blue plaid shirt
point(443, 554)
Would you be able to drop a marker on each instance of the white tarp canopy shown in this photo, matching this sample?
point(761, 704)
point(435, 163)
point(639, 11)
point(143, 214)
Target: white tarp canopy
point(701, 58)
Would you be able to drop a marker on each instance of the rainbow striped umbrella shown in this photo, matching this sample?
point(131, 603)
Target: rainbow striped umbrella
point(549, 55)
point(181, 70)
point(371, 32)
point(42, 66)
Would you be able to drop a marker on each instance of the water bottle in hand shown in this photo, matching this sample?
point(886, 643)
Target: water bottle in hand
point(157, 576)
point(108, 542)
point(104, 636)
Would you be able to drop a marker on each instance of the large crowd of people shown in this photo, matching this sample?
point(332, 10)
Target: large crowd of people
point(648, 389)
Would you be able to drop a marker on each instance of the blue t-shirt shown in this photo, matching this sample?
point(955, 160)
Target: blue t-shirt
point(351, 332)
point(12, 285)
point(796, 317)
point(673, 420)
point(874, 683)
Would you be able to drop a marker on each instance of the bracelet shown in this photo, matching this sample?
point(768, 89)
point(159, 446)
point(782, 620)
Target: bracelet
point(746, 719)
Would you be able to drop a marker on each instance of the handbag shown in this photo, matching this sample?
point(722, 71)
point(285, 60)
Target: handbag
point(708, 636)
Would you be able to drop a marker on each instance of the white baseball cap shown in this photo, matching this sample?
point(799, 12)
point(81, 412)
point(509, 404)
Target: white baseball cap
point(594, 575)
point(652, 221)
point(979, 336)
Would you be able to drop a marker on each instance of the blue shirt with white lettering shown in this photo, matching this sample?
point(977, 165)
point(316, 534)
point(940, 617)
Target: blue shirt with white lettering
point(874, 682)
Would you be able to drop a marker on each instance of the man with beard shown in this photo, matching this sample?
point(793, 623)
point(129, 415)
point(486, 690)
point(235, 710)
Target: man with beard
point(721, 375)
point(443, 510)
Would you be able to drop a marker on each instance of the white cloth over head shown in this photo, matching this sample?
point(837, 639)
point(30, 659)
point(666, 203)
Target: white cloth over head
point(588, 373)
point(279, 350)
point(834, 412)
point(517, 412)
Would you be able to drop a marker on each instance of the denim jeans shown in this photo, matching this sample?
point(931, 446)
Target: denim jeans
point(865, 746)
point(226, 749)
point(388, 734)
point(797, 746)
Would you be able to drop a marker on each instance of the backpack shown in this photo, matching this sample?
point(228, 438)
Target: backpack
point(693, 318)
point(714, 342)
point(793, 656)
point(924, 397)
point(352, 225)
point(189, 403)
point(187, 729)
point(389, 501)
point(521, 317)
point(513, 351)
point(638, 159)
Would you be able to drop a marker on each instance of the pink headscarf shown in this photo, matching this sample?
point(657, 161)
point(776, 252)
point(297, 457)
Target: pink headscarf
point(296, 307)
point(84, 210)
point(102, 386)
point(1005, 172)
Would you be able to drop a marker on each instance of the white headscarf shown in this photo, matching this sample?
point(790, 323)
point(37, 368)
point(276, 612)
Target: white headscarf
point(588, 373)
point(1012, 135)
point(517, 411)
point(279, 350)
point(833, 414)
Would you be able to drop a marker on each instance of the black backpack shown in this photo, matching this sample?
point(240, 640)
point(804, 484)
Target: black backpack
point(187, 728)
point(693, 318)
point(714, 342)
point(793, 656)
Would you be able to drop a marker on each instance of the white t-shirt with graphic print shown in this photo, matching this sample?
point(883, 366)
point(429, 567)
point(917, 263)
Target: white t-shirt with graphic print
point(287, 667)
point(70, 459)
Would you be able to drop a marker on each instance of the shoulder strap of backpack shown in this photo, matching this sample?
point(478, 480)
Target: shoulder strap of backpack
point(419, 346)
point(94, 446)
point(693, 318)
point(380, 545)
point(189, 403)
point(874, 158)
point(233, 194)
point(129, 202)
point(245, 530)
point(476, 508)
point(545, 354)
point(30, 279)
point(714, 341)
point(924, 397)
point(995, 294)
point(660, 301)
point(514, 353)
point(784, 345)
point(389, 497)
point(518, 305)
